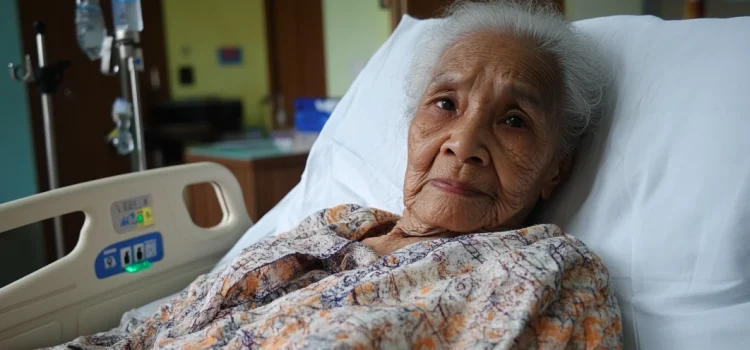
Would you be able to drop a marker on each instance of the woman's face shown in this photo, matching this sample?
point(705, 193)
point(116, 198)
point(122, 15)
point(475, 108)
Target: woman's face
point(483, 142)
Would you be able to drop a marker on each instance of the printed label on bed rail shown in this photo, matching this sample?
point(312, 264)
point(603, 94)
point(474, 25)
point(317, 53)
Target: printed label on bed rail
point(132, 255)
point(133, 213)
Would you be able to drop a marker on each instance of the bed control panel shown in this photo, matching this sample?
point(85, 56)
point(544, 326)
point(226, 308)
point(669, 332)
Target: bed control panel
point(132, 213)
point(129, 256)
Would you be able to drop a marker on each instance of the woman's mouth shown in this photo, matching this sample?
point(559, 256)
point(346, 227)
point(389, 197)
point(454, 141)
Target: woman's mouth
point(456, 187)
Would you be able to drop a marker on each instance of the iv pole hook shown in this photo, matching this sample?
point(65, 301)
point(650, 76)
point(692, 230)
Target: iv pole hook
point(28, 71)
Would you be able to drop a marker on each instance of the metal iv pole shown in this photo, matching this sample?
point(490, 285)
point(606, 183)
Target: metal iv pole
point(127, 110)
point(130, 64)
point(47, 78)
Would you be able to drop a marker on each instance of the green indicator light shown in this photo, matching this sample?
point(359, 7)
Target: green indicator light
point(138, 267)
point(139, 218)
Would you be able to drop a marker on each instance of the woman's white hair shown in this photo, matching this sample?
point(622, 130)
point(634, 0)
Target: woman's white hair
point(583, 78)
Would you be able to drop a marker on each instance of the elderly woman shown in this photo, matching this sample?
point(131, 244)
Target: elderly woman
point(503, 91)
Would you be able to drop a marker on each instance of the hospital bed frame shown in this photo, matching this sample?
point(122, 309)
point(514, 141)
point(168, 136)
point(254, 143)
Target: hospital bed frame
point(66, 299)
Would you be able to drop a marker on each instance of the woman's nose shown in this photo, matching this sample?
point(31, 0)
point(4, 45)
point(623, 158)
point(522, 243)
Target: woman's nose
point(467, 146)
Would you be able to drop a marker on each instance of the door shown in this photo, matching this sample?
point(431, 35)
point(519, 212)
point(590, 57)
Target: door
point(416, 8)
point(83, 103)
point(429, 8)
point(296, 59)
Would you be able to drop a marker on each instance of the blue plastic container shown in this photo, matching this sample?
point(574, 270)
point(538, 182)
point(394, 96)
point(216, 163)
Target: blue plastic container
point(310, 114)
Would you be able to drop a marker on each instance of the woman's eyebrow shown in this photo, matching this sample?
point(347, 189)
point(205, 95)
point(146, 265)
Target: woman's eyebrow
point(528, 95)
point(447, 78)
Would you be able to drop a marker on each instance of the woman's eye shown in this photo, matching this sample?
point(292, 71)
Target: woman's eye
point(515, 122)
point(446, 104)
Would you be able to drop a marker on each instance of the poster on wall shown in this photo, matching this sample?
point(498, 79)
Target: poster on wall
point(231, 55)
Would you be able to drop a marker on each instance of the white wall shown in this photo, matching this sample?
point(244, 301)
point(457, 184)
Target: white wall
point(582, 9)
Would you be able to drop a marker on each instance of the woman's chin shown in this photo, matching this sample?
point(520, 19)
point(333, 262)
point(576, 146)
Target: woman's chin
point(453, 212)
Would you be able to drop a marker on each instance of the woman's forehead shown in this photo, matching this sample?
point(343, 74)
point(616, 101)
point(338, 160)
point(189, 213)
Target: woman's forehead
point(504, 56)
point(484, 45)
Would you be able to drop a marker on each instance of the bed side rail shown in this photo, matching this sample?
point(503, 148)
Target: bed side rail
point(138, 243)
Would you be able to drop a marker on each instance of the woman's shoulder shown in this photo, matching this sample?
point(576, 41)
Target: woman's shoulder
point(543, 234)
point(349, 217)
point(345, 212)
point(541, 231)
point(550, 239)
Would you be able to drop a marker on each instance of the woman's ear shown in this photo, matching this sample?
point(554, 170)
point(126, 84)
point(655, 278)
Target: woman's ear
point(557, 174)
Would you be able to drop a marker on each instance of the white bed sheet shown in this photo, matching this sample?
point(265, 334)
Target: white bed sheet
point(266, 226)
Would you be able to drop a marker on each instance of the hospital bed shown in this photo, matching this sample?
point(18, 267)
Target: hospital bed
point(660, 191)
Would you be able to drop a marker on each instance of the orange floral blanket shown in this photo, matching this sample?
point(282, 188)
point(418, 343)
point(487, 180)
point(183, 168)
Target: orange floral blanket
point(318, 287)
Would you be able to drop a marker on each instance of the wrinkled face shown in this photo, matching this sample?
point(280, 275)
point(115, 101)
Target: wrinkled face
point(483, 144)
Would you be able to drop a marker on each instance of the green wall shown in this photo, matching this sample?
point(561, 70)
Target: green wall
point(21, 250)
point(353, 31)
point(211, 25)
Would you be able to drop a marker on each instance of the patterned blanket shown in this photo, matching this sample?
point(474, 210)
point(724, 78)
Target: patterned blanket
point(319, 287)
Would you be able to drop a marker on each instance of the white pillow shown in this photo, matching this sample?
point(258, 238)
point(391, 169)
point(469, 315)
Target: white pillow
point(661, 193)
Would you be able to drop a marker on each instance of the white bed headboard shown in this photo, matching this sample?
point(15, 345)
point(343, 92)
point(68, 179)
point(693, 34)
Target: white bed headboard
point(88, 290)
